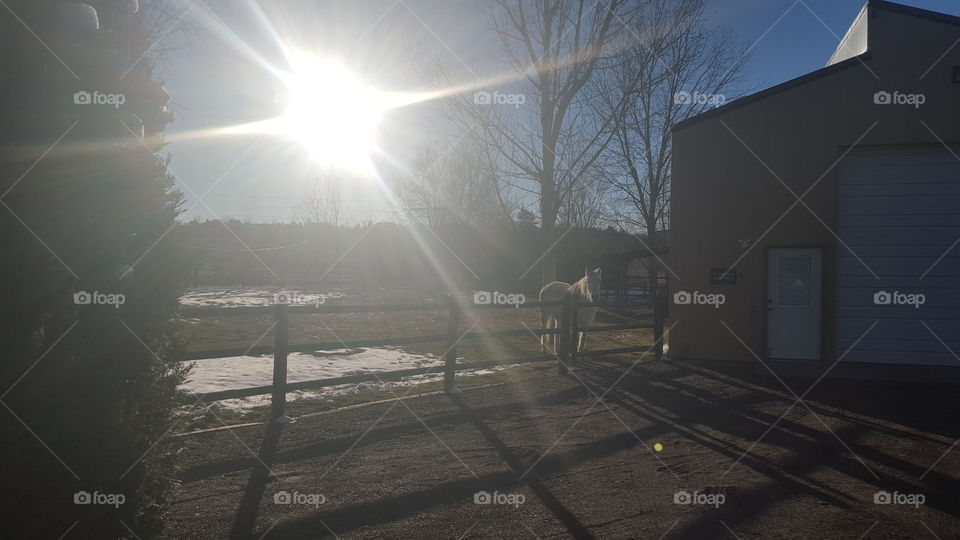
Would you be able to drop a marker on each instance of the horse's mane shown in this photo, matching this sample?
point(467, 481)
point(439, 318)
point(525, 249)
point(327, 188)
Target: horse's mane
point(580, 288)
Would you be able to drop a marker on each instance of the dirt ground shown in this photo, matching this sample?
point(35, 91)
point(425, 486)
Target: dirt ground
point(559, 463)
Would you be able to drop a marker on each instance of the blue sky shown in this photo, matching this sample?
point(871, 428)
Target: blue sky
point(216, 85)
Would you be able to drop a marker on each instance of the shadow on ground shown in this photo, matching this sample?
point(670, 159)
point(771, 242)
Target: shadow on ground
point(586, 467)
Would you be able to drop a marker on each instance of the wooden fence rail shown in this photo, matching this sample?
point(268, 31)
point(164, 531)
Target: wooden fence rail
point(565, 343)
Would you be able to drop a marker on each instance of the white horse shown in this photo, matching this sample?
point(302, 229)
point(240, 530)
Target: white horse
point(585, 290)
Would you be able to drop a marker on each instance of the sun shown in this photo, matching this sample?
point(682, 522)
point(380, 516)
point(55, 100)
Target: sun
point(331, 111)
point(334, 114)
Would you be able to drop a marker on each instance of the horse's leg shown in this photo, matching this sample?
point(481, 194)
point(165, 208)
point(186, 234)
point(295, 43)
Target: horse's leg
point(582, 337)
point(553, 337)
point(564, 369)
point(543, 337)
point(546, 323)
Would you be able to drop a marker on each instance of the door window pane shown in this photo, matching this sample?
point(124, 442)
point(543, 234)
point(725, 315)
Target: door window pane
point(794, 280)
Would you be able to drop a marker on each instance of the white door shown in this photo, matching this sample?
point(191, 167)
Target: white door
point(793, 303)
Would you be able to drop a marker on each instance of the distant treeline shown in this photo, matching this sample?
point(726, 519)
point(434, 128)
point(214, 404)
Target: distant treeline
point(503, 256)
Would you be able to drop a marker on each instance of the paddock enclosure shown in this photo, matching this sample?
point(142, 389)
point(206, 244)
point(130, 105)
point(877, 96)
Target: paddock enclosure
point(449, 341)
point(607, 450)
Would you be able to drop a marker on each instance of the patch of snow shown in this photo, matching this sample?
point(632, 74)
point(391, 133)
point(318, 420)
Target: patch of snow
point(250, 296)
point(234, 372)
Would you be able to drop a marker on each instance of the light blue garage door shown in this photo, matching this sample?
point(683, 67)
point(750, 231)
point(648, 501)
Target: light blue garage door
point(898, 212)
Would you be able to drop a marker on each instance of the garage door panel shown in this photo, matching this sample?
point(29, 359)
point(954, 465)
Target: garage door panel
point(898, 210)
point(863, 352)
point(937, 278)
point(891, 236)
point(854, 296)
point(898, 342)
point(851, 329)
point(894, 205)
point(898, 267)
point(931, 252)
point(907, 357)
point(929, 346)
point(900, 220)
point(890, 313)
point(935, 160)
point(899, 186)
point(933, 298)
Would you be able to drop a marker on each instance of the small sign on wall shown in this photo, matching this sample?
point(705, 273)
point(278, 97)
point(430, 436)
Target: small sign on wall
point(723, 276)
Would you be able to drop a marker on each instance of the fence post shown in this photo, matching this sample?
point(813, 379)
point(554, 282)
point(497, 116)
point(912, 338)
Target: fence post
point(280, 332)
point(450, 357)
point(563, 338)
point(659, 307)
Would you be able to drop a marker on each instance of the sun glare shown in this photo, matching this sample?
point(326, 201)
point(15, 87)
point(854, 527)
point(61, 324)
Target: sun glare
point(331, 112)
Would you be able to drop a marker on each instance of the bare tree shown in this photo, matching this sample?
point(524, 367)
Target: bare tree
point(453, 187)
point(173, 26)
point(539, 124)
point(584, 208)
point(686, 69)
point(321, 200)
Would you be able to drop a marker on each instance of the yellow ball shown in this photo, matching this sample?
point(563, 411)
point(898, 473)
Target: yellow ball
point(658, 447)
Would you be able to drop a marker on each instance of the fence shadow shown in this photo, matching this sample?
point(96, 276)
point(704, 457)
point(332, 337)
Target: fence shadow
point(340, 444)
point(245, 522)
point(393, 507)
point(893, 401)
point(563, 515)
point(863, 408)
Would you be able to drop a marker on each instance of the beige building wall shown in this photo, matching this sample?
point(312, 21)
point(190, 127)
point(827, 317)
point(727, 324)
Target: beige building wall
point(726, 167)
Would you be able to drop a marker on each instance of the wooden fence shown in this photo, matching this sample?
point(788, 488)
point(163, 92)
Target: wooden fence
point(567, 332)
